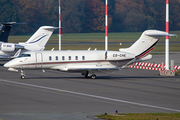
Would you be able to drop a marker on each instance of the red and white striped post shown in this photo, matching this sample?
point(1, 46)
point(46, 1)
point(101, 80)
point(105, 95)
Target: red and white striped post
point(106, 27)
point(59, 24)
point(167, 37)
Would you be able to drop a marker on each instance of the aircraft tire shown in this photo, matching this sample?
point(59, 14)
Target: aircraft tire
point(93, 76)
point(23, 77)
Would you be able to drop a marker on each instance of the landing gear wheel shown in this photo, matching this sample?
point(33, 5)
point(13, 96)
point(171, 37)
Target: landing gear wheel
point(87, 75)
point(23, 77)
point(93, 76)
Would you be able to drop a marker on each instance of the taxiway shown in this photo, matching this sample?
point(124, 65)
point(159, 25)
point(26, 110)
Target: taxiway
point(60, 95)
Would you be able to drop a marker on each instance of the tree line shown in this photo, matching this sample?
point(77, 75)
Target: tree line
point(80, 16)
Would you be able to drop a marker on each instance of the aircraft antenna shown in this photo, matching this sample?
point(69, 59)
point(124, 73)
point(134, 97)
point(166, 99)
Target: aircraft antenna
point(167, 37)
point(59, 24)
point(106, 27)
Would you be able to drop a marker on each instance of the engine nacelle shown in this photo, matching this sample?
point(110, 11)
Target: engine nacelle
point(7, 47)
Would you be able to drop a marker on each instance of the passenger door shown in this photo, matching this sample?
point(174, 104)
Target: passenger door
point(39, 60)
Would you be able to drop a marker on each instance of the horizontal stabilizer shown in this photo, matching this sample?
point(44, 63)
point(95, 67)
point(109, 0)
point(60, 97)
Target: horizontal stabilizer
point(160, 34)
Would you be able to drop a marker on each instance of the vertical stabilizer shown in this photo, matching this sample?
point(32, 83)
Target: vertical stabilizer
point(41, 36)
point(5, 29)
point(145, 43)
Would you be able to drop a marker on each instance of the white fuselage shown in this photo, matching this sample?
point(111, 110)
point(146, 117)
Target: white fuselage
point(71, 60)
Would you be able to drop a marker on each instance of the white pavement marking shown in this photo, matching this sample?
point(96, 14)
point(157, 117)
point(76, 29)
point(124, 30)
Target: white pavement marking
point(89, 95)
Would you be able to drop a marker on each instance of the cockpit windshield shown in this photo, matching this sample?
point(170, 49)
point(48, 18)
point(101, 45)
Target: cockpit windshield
point(25, 55)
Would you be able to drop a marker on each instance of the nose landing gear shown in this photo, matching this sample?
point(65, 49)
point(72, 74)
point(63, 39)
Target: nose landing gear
point(23, 76)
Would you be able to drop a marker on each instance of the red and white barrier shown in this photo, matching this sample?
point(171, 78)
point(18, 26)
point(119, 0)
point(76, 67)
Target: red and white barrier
point(152, 66)
point(147, 64)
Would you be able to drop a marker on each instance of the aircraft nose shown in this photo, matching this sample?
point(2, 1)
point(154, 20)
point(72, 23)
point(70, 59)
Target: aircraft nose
point(6, 64)
point(9, 64)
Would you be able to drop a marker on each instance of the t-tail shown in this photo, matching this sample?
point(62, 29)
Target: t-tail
point(41, 36)
point(145, 43)
point(5, 29)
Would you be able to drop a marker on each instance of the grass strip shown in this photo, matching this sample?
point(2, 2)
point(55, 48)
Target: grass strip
point(141, 116)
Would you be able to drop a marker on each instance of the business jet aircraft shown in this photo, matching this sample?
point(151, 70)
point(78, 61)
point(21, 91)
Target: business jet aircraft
point(87, 62)
point(36, 42)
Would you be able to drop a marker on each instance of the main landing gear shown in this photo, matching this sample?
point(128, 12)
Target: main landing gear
point(23, 76)
point(88, 75)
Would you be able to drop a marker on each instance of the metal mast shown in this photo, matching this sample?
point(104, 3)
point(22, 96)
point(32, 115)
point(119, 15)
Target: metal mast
point(167, 37)
point(106, 27)
point(59, 24)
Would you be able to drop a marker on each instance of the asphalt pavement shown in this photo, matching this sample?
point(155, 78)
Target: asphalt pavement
point(69, 96)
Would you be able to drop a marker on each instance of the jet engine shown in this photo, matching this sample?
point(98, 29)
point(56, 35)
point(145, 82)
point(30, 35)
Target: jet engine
point(9, 47)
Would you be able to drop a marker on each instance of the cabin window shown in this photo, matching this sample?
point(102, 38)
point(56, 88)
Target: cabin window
point(83, 57)
point(56, 57)
point(69, 57)
point(50, 58)
point(63, 58)
point(76, 57)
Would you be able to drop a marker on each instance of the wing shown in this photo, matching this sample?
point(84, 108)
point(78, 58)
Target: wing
point(83, 68)
point(10, 56)
point(5, 57)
